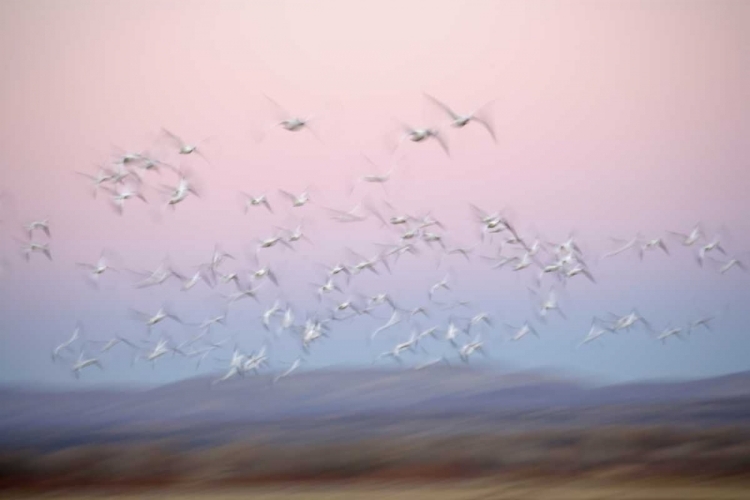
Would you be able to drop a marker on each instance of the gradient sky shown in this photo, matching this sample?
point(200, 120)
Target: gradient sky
point(612, 118)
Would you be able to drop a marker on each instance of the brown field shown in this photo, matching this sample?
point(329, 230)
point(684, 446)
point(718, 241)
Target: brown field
point(588, 489)
point(609, 462)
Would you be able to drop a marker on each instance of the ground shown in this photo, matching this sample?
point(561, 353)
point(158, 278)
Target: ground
point(485, 490)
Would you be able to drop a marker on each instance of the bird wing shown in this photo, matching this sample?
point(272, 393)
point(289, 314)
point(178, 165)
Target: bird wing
point(288, 195)
point(625, 247)
point(172, 136)
point(487, 125)
point(442, 106)
point(443, 143)
point(282, 114)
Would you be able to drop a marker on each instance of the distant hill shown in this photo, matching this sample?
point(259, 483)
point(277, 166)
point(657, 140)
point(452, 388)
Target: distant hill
point(429, 393)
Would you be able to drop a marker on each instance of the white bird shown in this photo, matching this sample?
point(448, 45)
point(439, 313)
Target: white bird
point(327, 287)
point(33, 247)
point(155, 277)
point(99, 179)
point(125, 158)
point(220, 319)
point(336, 269)
point(256, 361)
point(427, 220)
point(523, 261)
point(270, 313)
point(244, 293)
point(266, 272)
point(217, 257)
point(109, 344)
point(429, 238)
point(297, 362)
point(429, 332)
point(397, 219)
point(392, 321)
point(477, 345)
point(394, 353)
point(465, 252)
point(255, 201)
point(230, 277)
point(148, 163)
point(455, 304)
point(550, 304)
point(236, 365)
point(82, 363)
point(594, 333)
point(704, 322)
point(311, 331)
point(651, 245)
point(691, 238)
point(374, 178)
point(729, 264)
point(351, 215)
point(410, 234)
point(669, 332)
point(579, 269)
point(287, 320)
point(202, 353)
point(67, 343)
point(460, 121)
point(270, 242)
point(422, 134)
point(442, 284)
point(120, 196)
point(298, 200)
point(524, 330)
point(189, 282)
point(238, 359)
point(400, 249)
point(185, 148)
point(626, 322)
point(482, 317)
point(346, 305)
point(120, 172)
point(99, 268)
point(296, 234)
point(451, 334)
point(627, 246)
point(289, 122)
point(380, 299)
point(365, 263)
point(39, 224)
point(714, 244)
point(419, 310)
point(158, 317)
point(162, 348)
point(180, 192)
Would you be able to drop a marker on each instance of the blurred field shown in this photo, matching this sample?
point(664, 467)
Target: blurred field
point(541, 440)
point(643, 463)
point(475, 490)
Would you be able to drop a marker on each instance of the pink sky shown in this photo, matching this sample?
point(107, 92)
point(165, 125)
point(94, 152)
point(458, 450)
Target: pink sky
point(612, 117)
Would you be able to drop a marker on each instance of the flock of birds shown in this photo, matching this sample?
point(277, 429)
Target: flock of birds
point(464, 335)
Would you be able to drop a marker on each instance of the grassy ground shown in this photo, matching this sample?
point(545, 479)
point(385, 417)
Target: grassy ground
point(531, 490)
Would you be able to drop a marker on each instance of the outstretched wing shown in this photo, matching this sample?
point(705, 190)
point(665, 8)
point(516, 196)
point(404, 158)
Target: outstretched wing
point(483, 116)
point(173, 137)
point(442, 106)
point(289, 195)
point(281, 112)
point(443, 143)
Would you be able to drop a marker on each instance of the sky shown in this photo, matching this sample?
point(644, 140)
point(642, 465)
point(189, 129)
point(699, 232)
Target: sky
point(612, 118)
